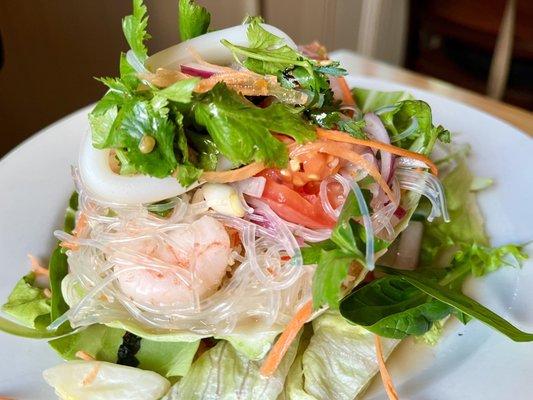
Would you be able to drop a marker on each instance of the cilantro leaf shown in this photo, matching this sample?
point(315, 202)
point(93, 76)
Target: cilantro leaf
point(193, 19)
point(267, 53)
point(134, 27)
point(181, 91)
point(136, 119)
point(240, 130)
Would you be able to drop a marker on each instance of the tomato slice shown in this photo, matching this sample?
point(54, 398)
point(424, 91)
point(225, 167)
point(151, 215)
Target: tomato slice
point(292, 205)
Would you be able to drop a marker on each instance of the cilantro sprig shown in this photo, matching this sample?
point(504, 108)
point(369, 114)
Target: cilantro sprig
point(270, 54)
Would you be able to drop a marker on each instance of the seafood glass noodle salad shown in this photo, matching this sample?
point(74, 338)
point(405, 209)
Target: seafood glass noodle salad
point(247, 226)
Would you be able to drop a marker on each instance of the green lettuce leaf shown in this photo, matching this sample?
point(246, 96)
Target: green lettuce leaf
point(331, 271)
point(338, 363)
point(442, 240)
point(134, 27)
point(223, 373)
point(253, 345)
point(28, 304)
point(372, 100)
point(408, 121)
point(240, 130)
point(166, 358)
point(334, 257)
point(193, 19)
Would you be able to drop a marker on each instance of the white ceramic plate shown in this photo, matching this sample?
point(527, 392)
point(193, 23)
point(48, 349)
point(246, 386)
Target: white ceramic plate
point(471, 362)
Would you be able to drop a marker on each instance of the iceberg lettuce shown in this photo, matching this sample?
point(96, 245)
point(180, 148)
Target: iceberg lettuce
point(338, 363)
point(222, 373)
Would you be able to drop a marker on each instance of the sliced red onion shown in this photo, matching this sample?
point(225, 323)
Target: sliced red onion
point(400, 212)
point(410, 163)
point(253, 186)
point(375, 130)
point(195, 69)
point(307, 234)
point(409, 247)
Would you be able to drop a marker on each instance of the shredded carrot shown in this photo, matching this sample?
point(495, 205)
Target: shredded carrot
point(339, 136)
point(233, 175)
point(286, 338)
point(69, 245)
point(81, 223)
point(385, 376)
point(91, 376)
point(333, 149)
point(36, 267)
point(83, 355)
point(347, 97)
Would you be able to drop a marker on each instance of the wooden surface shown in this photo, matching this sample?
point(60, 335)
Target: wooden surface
point(518, 117)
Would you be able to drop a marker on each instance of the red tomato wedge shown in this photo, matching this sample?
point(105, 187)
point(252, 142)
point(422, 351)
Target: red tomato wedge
point(294, 206)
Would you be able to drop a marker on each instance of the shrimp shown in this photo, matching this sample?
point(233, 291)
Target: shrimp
point(200, 252)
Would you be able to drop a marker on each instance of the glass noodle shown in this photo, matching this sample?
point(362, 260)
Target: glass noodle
point(266, 283)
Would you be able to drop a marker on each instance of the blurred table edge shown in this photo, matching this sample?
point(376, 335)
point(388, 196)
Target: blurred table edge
point(518, 117)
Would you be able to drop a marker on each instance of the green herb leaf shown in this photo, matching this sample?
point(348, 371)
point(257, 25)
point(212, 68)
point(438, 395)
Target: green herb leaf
point(136, 119)
point(206, 149)
point(331, 271)
point(462, 303)
point(134, 27)
point(70, 213)
point(17, 329)
point(267, 53)
point(58, 269)
point(392, 308)
point(193, 19)
point(181, 91)
point(409, 124)
point(334, 257)
point(482, 260)
point(240, 130)
point(28, 304)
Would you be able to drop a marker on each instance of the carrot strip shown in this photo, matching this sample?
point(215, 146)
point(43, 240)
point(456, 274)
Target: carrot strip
point(385, 376)
point(91, 376)
point(233, 175)
point(274, 357)
point(81, 223)
point(339, 136)
point(347, 97)
point(36, 267)
point(334, 150)
point(69, 245)
point(83, 355)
